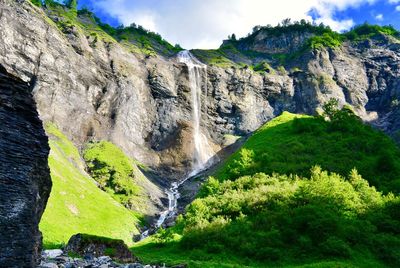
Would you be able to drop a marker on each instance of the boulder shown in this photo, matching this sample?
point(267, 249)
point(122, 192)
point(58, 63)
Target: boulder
point(101, 247)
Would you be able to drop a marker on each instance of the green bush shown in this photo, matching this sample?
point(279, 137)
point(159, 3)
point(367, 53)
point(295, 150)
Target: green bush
point(329, 39)
point(287, 218)
point(365, 31)
point(37, 2)
point(263, 67)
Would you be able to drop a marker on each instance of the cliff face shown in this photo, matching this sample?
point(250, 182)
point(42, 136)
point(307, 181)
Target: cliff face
point(24, 175)
point(96, 88)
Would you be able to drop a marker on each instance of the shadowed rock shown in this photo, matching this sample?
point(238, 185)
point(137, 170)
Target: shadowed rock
point(97, 246)
point(24, 174)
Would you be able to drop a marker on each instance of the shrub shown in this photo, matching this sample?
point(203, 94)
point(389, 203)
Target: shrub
point(285, 218)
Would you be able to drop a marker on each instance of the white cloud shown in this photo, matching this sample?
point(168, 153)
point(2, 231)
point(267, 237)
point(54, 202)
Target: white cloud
point(379, 17)
point(394, 1)
point(205, 23)
point(398, 8)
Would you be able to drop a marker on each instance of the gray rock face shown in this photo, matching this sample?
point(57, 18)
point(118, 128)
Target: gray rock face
point(24, 175)
point(100, 90)
point(282, 43)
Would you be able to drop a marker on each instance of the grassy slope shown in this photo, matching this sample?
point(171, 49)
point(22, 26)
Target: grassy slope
point(76, 204)
point(119, 175)
point(287, 145)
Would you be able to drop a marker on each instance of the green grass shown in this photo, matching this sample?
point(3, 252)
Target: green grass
point(152, 251)
point(291, 144)
point(263, 67)
point(215, 57)
point(76, 204)
point(117, 174)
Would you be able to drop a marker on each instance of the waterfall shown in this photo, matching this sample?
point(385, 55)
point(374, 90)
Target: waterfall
point(202, 151)
point(197, 78)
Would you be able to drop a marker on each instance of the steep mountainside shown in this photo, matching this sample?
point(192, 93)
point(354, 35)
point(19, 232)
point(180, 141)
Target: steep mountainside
point(141, 101)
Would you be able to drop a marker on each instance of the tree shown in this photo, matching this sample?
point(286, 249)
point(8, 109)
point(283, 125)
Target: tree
point(48, 2)
point(72, 4)
point(330, 108)
point(178, 47)
point(256, 28)
point(286, 22)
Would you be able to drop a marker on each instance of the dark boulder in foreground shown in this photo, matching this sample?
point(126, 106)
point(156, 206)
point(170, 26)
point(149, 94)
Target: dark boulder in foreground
point(24, 174)
point(96, 246)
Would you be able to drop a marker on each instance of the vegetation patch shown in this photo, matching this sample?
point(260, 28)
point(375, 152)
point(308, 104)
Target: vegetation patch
point(283, 221)
point(115, 172)
point(99, 214)
point(263, 67)
point(250, 215)
point(214, 57)
point(291, 144)
point(366, 31)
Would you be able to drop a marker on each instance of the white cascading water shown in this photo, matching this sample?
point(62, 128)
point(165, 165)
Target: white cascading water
point(202, 151)
point(197, 78)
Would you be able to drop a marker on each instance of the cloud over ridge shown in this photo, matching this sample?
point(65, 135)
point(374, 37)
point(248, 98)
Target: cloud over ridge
point(205, 23)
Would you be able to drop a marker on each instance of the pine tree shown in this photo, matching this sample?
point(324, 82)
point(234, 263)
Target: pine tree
point(72, 4)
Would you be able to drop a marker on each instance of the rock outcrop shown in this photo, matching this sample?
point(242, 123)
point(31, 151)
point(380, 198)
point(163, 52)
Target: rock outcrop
point(91, 246)
point(24, 175)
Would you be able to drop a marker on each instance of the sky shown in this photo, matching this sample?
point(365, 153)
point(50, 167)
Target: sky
point(205, 23)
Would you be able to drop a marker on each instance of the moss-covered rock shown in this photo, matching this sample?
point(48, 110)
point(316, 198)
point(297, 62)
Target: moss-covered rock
point(97, 246)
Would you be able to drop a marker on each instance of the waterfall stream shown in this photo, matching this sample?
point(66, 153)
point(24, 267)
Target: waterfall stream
point(202, 151)
point(197, 78)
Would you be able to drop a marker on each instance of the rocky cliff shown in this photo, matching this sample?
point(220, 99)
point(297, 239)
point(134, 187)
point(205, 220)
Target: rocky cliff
point(24, 175)
point(97, 88)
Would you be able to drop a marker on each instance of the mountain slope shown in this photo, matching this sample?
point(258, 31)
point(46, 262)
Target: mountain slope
point(115, 90)
point(291, 144)
point(314, 218)
point(76, 204)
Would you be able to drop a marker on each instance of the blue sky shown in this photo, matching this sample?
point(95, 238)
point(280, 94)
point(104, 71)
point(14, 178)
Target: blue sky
point(205, 23)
